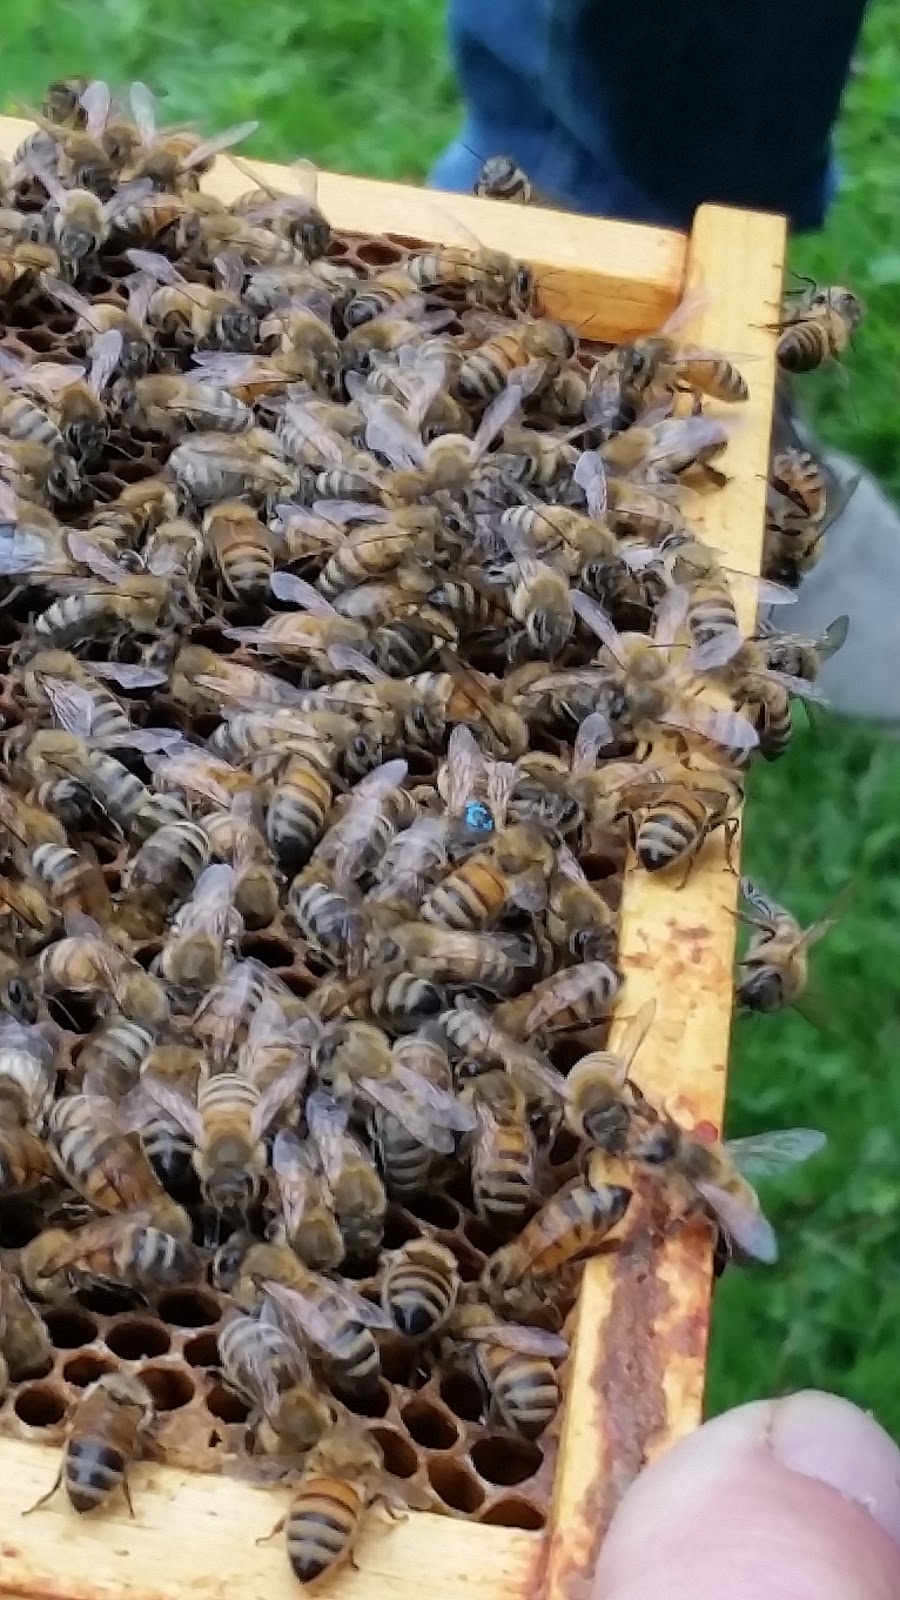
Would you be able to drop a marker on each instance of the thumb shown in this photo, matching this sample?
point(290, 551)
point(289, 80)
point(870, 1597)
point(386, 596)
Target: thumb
point(794, 1499)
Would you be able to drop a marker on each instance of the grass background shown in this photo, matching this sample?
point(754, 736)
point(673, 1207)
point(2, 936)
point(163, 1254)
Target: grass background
point(366, 86)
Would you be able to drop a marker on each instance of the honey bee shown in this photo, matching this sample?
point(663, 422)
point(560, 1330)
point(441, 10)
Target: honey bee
point(227, 1123)
point(572, 997)
point(670, 820)
point(484, 277)
point(242, 549)
point(175, 158)
point(406, 1161)
point(512, 870)
point(325, 1312)
point(654, 696)
point(165, 401)
point(307, 1221)
point(513, 1365)
point(81, 223)
point(800, 657)
point(296, 216)
point(62, 101)
point(126, 1249)
point(802, 502)
point(104, 1435)
point(504, 1151)
point(442, 955)
point(449, 461)
point(224, 466)
point(109, 1060)
point(263, 1365)
point(817, 328)
point(25, 1161)
point(357, 1193)
point(598, 1106)
point(200, 680)
point(86, 963)
point(24, 1339)
point(235, 837)
point(73, 881)
point(718, 1174)
point(203, 930)
point(569, 1227)
point(773, 970)
point(329, 916)
point(164, 870)
point(121, 604)
point(659, 359)
point(78, 418)
point(96, 320)
point(419, 1285)
point(104, 1162)
point(196, 771)
point(477, 1036)
point(23, 262)
point(540, 344)
point(344, 1475)
point(311, 631)
point(799, 478)
point(385, 291)
point(298, 810)
point(196, 315)
point(111, 786)
point(541, 600)
point(578, 918)
point(501, 178)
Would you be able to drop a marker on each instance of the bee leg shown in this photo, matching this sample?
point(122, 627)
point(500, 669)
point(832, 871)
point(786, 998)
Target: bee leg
point(731, 829)
point(127, 1493)
point(264, 1538)
point(45, 1497)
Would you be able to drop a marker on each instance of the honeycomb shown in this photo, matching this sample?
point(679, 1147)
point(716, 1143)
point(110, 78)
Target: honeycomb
point(430, 1418)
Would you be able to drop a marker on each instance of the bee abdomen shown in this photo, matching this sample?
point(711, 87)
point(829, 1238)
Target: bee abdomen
point(404, 1000)
point(664, 837)
point(320, 1527)
point(803, 348)
point(469, 898)
point(93, 1470)
point(419, 1300)
point(354, 1357)
point(297, 813)
point(504, 1189)
point(527, 1393)
point(405, 1163)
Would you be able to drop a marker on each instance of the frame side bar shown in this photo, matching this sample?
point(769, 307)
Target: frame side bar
point(641, 1328)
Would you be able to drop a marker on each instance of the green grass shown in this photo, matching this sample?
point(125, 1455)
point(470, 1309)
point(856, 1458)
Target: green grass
point(366, 87)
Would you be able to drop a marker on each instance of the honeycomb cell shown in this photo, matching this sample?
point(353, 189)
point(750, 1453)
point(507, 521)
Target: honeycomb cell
point(378, 252)
point(202, 1351)
point(400, 1458)
point(105, 1301)
point(189, 1308)
point(430, 1425)
point(85, 1368)
point(375, 1402)
point(505, 1458)
point(480, 1235)
point(271, 952)
point(226, 1405)
point(170, 1386)
point(19, 1224)
point(71, 1012)
point(40, 1405)
point(514, 1513)
point(70, 1329)
point(564, 1148)
point(399, 1228)
point(453, 1483)
point(138, 1337)
point(463, 1396)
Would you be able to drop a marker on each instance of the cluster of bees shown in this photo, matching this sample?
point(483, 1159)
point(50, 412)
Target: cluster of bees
point(359, 606)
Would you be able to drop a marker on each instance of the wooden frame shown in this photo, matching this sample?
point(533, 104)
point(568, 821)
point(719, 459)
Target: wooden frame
point(637, 1367)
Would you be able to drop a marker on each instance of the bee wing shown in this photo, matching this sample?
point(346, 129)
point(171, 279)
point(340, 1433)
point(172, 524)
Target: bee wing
point(763, 1154)
point(220, 141)
point(158, 267)
point(442, 1102)
point(462, 771)
point(303, 594)
point(527, 1341)
point(72, 705)
point(22, 553)
point(307, 175)
point(422, 383)
point(331, 448)
point(84, 550)
point(128, 676)
point(670, 615)
point(636, 1030)
point(743, 1221)
point(507, 404)
point(298, 1310)
point(327, 1120)
point(590, 475)
point(593, 735)
point(230, 271)
point(106, 353)
point(715, 652)
point(65, 294)
point(767, 910)
point(568, 866)
point(600, 623)
point(414, 1118)
point(139, 292)
point(801, 687)
point(273, 1097)
point(570, 987)
point(687, 310)
point(51, 378)
point(143, 109)
point(130, 194)
point(390, 433)
point(727, 728)
point(170, 1099)
point(95, 101)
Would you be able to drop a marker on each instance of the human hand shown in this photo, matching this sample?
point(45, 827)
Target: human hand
point(793, 1499)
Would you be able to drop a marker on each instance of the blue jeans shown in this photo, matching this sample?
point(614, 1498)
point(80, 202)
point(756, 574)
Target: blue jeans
point(645, 109)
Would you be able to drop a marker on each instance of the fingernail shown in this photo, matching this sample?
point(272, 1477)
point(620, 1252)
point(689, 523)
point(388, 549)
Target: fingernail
point(830, 1439)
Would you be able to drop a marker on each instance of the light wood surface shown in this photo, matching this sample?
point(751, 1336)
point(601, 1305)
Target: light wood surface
point(611, 279)
point(197, 1535)
point(636, 1376)
point(636, 1383)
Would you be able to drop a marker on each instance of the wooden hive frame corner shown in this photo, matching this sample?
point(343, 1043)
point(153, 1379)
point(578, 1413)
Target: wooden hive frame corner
point(638, 1358)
